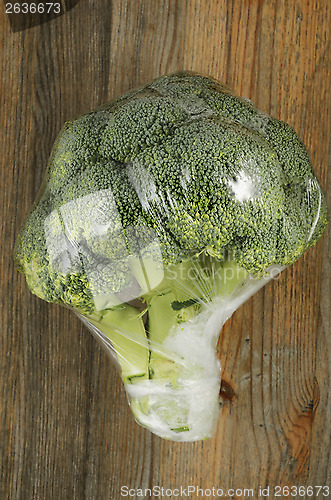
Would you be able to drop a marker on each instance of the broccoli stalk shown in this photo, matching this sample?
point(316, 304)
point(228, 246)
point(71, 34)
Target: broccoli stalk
point(166, 344)
point(125, 330)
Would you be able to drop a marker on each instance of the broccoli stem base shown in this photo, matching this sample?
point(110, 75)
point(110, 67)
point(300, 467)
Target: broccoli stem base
point(167, 354)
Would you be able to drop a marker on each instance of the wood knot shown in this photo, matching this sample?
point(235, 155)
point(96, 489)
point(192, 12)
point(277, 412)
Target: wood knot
point(226, 391)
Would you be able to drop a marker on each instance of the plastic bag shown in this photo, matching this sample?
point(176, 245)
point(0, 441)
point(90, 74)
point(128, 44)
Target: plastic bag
point(160, 214)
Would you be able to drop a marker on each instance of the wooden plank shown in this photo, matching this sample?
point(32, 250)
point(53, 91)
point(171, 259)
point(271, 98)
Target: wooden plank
point(66, 430)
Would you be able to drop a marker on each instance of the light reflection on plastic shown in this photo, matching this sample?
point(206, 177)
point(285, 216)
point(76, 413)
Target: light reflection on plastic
point(311, 186)
point(243, 187)
point(87, 234)
point(144, 185)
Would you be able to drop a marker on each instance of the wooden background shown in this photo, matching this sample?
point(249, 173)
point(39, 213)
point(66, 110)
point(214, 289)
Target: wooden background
point(65, 427)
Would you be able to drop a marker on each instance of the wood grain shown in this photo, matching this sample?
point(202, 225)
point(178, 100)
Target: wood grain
point(66, 431)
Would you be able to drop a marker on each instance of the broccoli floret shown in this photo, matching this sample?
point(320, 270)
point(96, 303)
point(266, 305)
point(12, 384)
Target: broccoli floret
point(227, 187)
point(160, 214)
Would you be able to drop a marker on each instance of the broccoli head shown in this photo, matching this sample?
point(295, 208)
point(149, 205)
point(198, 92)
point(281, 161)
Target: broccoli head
point(160, 214)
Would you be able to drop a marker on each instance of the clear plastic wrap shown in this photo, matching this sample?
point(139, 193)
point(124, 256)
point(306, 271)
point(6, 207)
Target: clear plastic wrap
point(160, 214)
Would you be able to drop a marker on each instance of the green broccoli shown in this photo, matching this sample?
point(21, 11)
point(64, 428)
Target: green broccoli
point(160, 214)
